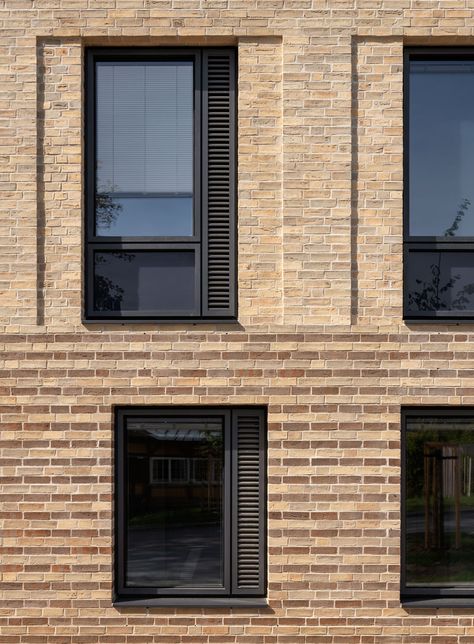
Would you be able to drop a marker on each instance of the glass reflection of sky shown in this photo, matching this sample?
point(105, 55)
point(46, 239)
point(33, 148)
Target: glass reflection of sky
point(144, 148)
point(147, 216)
point(441, 147)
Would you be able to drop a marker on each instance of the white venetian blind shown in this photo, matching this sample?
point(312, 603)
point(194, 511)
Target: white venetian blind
point(144, 127)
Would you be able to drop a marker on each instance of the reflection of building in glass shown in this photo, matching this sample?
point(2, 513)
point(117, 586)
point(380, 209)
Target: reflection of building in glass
point(447, 473)
point(184, 470)
point(174, 467)
point(174, 502)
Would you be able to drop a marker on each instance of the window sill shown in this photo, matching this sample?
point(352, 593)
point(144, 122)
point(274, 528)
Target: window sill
point(203, 602)
point(437, 602)
point(437, 320)
point(158, 321)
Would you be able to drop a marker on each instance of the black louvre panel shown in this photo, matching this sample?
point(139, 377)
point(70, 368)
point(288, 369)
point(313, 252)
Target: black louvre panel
point(218, 171)
point(248, 489)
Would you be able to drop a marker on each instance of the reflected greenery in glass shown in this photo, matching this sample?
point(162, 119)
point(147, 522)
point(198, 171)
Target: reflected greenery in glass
point(432, 285)
point(144, 280)
point(439, 503)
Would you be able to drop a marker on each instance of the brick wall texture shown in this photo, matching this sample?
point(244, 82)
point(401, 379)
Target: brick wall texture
point(320, 339)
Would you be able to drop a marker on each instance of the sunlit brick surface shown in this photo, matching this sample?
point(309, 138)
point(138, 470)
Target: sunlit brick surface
point(320, 338)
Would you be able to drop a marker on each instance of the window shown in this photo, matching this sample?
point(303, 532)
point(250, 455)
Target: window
point(438, 503)
point(190, 503)
point(439, 190)
point(160, 193)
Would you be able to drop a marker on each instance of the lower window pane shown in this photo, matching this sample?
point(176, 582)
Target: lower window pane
point(175, 519)
point(440, 281)
point(439, 503)
point(145, 282)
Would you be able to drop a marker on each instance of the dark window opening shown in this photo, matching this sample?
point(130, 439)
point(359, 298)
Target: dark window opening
point(160, 189)
point(438, 190)
point(190, 502)
point(438, 504)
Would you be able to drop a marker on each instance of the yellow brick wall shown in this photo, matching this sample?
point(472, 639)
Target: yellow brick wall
point(320, 339)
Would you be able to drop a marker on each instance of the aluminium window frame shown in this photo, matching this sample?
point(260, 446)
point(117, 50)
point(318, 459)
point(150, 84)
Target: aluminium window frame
point(427, 593)
point(230, 525)
point(198, 241)
point(427, 243)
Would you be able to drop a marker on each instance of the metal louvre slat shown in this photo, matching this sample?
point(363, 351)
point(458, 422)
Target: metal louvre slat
point(249, 545)
point(219, 182)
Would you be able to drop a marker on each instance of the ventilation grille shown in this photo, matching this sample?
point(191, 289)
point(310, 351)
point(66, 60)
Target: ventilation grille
point(249, 564)
point(220, 163)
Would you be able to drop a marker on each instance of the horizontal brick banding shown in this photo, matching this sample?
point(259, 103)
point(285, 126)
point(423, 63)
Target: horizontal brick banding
point(320, 338)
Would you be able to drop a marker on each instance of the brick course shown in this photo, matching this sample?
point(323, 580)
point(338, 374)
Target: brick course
point(320, 338)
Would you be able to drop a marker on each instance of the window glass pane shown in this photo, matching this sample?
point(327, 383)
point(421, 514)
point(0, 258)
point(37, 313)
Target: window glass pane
point(439, 502)
point(441, 148)
point(144, 281)
point(144, 147)
point(141, 216)
point(440, 281)
point(174, 525)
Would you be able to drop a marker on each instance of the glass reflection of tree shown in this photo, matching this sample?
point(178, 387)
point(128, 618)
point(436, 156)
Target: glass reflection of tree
point(431, 295)
point(106, 209)
point(108, 295)
point(211, 450)
point(439, 503)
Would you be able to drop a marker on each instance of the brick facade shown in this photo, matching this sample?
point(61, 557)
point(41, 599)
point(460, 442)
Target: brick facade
point(320, 338)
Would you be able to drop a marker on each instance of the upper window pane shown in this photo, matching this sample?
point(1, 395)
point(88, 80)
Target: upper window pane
point(441, 148)
point(144, 148)
point(439, 502)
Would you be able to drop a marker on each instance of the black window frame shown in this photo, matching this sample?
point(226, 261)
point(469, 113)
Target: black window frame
point(428, 595)
point(427, 243)
point(198, 242)
point(197, 596)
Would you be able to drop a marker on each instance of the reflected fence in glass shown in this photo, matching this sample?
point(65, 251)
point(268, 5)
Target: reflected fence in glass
point(439, 502)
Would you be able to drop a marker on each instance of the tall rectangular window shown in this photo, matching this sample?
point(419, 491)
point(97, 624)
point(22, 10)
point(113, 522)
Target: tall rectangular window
point(439, 186)
point(190, 502)
point(438, 503)
point(160, 194)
